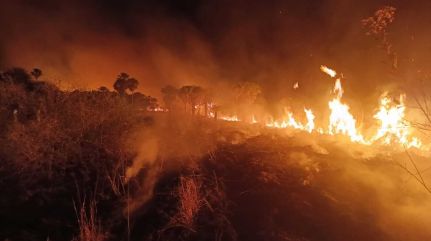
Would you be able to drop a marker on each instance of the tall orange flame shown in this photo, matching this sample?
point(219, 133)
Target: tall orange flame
point(393, 128)
point(328, 71)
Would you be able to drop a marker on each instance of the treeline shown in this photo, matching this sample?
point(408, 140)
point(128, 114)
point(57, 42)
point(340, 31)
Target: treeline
point(26, 97)
point(196, 100)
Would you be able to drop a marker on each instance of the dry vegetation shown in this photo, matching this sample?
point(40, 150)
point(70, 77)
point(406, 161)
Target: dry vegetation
point(105, 165)
point(54, 146)
point(95, 166)
point(89, 225)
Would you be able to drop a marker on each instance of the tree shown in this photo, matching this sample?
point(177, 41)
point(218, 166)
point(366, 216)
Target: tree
point(36, 73)
point(170, 94)
point(124, 82)
point(197, 98)
point(184, 94)
point(18, 76)
point(245, 96)
point(208, 101)
point(191, 95)
point(143, 101)
point(247, 92)
point(377, 25)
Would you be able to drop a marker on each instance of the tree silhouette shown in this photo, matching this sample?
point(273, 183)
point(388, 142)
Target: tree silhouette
point(191, 95)
point(247, 92)
point(143, 101)
point(184, 94)
point(124, 82)
point(17, 76)
point(36, 73)
point(208, 99)
point(170, 94)
point(377, 26)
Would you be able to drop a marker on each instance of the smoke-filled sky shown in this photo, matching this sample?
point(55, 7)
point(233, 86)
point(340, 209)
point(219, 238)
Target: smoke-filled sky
point(86, 43)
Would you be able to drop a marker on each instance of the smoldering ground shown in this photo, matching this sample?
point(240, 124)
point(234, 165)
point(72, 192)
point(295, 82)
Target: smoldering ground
point(287, 184)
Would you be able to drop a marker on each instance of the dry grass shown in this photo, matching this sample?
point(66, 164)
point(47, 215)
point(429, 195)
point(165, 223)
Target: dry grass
point(190, 202)
point(89, 225)
point(218, 205)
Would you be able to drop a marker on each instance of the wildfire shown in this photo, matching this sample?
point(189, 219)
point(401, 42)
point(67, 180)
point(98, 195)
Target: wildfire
point(338, 89)
point(253, 120)
point(158, 109)
point(342, 122)
point(289, 121)
point(328, 71)
point(310, 120)
point(230, 118)
point(393, 128)
point(340, 119)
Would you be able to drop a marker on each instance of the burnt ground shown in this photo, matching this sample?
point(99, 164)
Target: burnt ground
point(276, 189)
point(250, 184)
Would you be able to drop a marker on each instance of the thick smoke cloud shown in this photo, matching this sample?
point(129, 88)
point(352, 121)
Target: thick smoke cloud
point(86, 44)
point(275, 43)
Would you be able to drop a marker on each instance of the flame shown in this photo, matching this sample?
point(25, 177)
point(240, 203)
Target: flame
point(342, 122)
point(338, 90)
point(310, 120)
point(159, 109)
point(253, 120)
point(290, 121)
point(230, 118)
point(328, 71)
point(293, 123)
point(340, 119)
point(393, 127)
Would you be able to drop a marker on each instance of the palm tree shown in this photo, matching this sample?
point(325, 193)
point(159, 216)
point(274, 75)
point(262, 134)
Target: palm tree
point(36, 73)
point(124, 82)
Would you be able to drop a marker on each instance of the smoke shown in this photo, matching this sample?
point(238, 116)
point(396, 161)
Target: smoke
point(147, 154)
point(86, 44)
point(173, 141)
point(369, 185)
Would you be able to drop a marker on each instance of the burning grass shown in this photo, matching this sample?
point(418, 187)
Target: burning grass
point(164, 175)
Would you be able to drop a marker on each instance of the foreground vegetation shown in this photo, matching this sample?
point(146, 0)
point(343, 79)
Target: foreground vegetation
point(97, 165)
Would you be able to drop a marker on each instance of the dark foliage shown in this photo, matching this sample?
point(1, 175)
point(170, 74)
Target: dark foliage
point(124, 82)
point(59, 148)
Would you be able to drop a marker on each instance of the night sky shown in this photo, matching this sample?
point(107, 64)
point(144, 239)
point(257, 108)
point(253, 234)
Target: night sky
point(85, 44)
